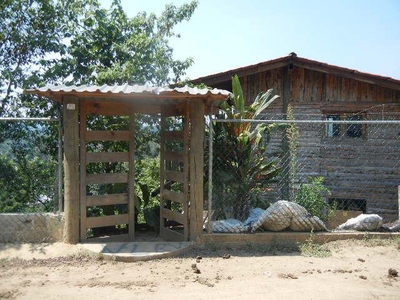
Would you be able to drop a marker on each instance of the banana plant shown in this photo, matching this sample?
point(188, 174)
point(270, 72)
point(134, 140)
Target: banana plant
point(241, 163)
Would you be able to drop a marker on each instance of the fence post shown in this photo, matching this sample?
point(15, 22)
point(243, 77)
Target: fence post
point(59, 168)
point(71, 168)
point(285, 189)
point(210, 169)
point(196, 168)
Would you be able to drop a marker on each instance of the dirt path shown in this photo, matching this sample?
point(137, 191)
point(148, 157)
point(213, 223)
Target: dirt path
point(352, 270)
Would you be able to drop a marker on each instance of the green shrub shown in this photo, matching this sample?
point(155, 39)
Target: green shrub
point(311, 196)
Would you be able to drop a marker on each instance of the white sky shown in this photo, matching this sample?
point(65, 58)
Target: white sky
point(227, 34)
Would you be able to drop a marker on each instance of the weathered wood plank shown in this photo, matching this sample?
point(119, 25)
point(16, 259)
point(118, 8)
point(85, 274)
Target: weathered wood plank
point(173, 216)
point(95, 222)
point(99, 135)
point(174, 196)
point(131, 177)
point(110, 199)
point(174, 176)
point(105, 108)
point(97, 157)
point(107, 178)
point(174, 156)
point(82, 125)
point(196, 169)
point(71, 169)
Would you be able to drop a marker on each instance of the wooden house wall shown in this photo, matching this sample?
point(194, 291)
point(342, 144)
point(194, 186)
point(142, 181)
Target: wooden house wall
point(354, 168)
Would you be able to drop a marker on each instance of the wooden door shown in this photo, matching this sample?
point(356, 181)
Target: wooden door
point(174, 183)
point(106, 198)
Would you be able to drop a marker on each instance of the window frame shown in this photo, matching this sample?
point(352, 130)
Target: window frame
point(349, 131)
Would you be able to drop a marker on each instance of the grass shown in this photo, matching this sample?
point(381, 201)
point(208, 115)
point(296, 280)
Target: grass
point(312, 249)
point(4, 261)
point(371, 241)
point(87, 255)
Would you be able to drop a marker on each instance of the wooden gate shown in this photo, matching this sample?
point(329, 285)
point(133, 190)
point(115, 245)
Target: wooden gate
point(112, 204)
point(174, 174)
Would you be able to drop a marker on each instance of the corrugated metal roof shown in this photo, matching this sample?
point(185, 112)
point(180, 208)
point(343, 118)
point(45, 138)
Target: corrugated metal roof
point(125, 89)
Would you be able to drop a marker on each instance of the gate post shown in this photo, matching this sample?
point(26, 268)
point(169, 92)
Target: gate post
point(196, 168)
point(71, 167)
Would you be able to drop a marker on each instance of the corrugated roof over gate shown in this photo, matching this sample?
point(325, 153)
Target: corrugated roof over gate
point(128, 91)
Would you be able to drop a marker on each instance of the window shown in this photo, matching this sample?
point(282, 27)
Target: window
point(348, 130)
point(332, 129)
point(354, 130)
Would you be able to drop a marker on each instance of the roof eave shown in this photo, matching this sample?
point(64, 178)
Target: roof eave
point(222, 77)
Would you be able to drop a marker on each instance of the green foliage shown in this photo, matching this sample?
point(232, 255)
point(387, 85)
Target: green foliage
point(292, 135)
point(26, 184)
point(312, 249)
point(79, 42)
point(109, 48)
point(147, 172)
point(311, 197)
point(241, 164)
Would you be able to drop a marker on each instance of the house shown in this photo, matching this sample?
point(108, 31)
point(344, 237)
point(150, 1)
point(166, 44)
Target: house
point(360, 161)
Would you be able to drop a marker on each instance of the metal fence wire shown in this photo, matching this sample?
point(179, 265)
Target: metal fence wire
point(297, 169)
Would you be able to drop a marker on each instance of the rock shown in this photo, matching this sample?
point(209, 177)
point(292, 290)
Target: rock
point(364, 222)
point(392, 272)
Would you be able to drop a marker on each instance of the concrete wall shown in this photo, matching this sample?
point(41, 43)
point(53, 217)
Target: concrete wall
point(31, 227)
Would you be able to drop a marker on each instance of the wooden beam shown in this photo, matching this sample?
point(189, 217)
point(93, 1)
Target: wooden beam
point(110, 199)
point(97, 157)
point(186, 145)
point(174, 156)
point(82, 126)
point(107, 178)
point(173, 216)
point(196, 169)
point(99, 135)
point(131, 177)
point(174, 176)
point(71, 169)
point(95, 222)
point(106, 108)
point(173, 196)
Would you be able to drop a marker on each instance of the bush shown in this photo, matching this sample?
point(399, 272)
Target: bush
point(311, 196)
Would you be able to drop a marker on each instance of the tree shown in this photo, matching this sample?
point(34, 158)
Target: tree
point(109, 48)
point(241, 164)
point(78, 42)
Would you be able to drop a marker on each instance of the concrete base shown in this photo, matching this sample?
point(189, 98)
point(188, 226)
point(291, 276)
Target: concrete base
point(289, 238)
point(138, 251)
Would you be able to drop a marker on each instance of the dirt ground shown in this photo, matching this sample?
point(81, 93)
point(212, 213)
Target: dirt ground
point(337, 270)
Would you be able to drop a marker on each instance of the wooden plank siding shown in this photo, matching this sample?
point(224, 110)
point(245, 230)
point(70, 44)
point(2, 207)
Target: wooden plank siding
point(352, 167)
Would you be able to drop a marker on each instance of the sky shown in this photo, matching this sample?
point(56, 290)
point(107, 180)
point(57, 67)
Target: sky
point(228, 34)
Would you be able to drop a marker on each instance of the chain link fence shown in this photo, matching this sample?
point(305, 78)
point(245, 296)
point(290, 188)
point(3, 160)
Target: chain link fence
point(31, 227)
point(30, 180)
point(301, 174)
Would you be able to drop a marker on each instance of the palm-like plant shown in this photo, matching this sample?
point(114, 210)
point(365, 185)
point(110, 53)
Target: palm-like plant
point(241, 163)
